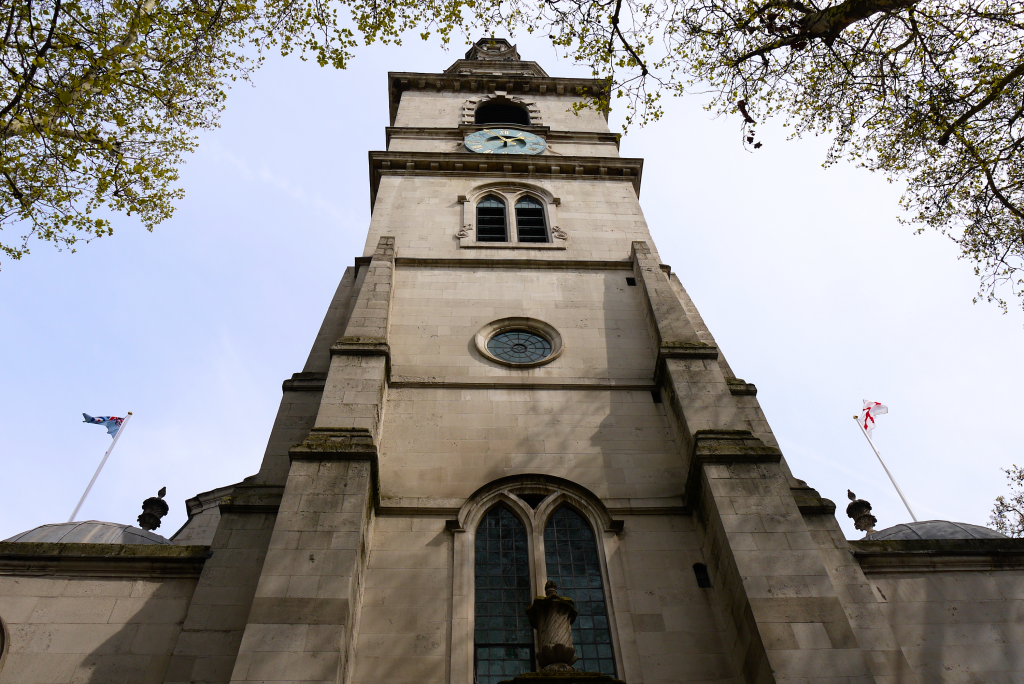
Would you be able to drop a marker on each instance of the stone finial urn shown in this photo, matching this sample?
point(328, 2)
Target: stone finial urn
point(860, 511)
point(153, 509)
point(552, 616)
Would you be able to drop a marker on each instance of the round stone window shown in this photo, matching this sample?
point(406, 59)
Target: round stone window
point(519, 346)
point(519, 342)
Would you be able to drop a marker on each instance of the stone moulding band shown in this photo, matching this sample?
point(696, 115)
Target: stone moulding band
point(547, 167)
point(103, 560)
point(250, 499)
point(400, 82)
point(457, 134)
point(724, 447)
point(530, 384)
point(895, 556)
point(341, 444)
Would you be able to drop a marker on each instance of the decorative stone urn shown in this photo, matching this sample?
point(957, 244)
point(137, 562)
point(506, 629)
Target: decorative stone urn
point(552, 616)
point(860, 511)
point(153, 509)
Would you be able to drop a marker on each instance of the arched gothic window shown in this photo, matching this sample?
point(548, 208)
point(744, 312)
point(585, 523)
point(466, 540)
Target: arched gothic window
point(502, 113)
point(490, 220)
point(530, 224)
point(570, 553)
point(503, 639)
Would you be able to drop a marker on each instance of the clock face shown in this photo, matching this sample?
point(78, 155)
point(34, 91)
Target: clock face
point(500, 140)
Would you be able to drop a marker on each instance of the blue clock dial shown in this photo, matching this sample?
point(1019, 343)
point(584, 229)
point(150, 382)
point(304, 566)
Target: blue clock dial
point(501, 140)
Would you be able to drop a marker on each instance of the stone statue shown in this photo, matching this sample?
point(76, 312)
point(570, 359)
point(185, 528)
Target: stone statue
point(860, 511)
point(552, 616)
point(153, 509)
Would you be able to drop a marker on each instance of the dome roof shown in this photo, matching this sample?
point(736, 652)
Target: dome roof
point(935, 529)
point(89, 532)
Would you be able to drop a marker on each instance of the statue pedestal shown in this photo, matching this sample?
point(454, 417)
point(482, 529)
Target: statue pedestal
point(563, 677)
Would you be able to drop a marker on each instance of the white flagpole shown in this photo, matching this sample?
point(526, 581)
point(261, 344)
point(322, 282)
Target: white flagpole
point(117, 434)
point(891, 478)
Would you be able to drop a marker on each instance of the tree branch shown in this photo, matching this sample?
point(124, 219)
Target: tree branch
point(32, 70)
point(997, 89)
point(625, 43)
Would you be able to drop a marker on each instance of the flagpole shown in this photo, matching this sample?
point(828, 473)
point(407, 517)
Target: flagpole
point(891, 478)
point(117, 434)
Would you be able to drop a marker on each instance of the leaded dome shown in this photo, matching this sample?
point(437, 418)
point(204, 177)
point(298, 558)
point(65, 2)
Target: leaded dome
point(88, 532)
point(935, 529)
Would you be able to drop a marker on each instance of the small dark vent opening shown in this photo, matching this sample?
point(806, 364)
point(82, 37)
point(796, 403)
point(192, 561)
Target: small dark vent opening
point(703, 578)
point(656, 396)
point(631, 282)
point(533, 499)
point(489, 114)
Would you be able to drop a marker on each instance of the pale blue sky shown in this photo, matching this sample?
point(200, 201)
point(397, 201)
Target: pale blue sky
point(812, 289)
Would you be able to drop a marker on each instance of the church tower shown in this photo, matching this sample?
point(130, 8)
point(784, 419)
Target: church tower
point(510, 387)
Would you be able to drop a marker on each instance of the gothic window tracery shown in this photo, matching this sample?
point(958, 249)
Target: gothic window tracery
point(512, 213)
point(570, 553)
point(522, 537)
point(503, 638)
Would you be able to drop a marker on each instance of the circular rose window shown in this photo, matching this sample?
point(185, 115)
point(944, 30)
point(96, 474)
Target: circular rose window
point(520, 342)
point(519, 346)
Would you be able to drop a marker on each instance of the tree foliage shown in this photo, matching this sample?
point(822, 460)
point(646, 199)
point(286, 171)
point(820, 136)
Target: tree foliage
point(924, 91)
point(99, 96)
point(98, 102)
point(1008, 513)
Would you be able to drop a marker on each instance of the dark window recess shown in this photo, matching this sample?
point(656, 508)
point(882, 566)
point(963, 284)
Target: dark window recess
point(570, 553)
point(703, 578)
point(502, 114)
point(503, 638)
point(490, 220)
point(656, 396)
point(533, 499)
point(631, 282)
point(530, 221)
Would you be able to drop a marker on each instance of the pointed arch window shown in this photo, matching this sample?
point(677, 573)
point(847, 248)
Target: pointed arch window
point(530, 223)
point(491, 223)
point(520, 532)
point(503, 639)
point(570, 553)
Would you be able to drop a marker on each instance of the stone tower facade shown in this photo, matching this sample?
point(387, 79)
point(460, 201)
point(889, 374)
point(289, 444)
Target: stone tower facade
point(411, 430)
point(510, 387)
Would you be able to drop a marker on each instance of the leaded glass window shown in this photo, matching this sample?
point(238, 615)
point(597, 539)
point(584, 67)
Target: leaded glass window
point(504, 639)
point(519, 346)
point(570, 552)
point(530, 220)
point(490, 220)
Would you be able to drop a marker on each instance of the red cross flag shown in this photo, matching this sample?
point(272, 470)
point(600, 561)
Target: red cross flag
point(868, 413)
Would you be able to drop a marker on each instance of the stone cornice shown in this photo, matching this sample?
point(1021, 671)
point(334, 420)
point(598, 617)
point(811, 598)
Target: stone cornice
point(457, 134)
point(251, 499)
point(305, 382)
point(476, 84)
point(895, 556)
point(525, 382)
point(723, 447)
point(102, 560)
point(534, 167)
point(341, 444)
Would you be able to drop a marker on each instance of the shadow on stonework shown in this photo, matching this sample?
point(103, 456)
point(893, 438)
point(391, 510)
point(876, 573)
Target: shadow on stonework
point(635, 439)
point(100, 630)
point(95, 602)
